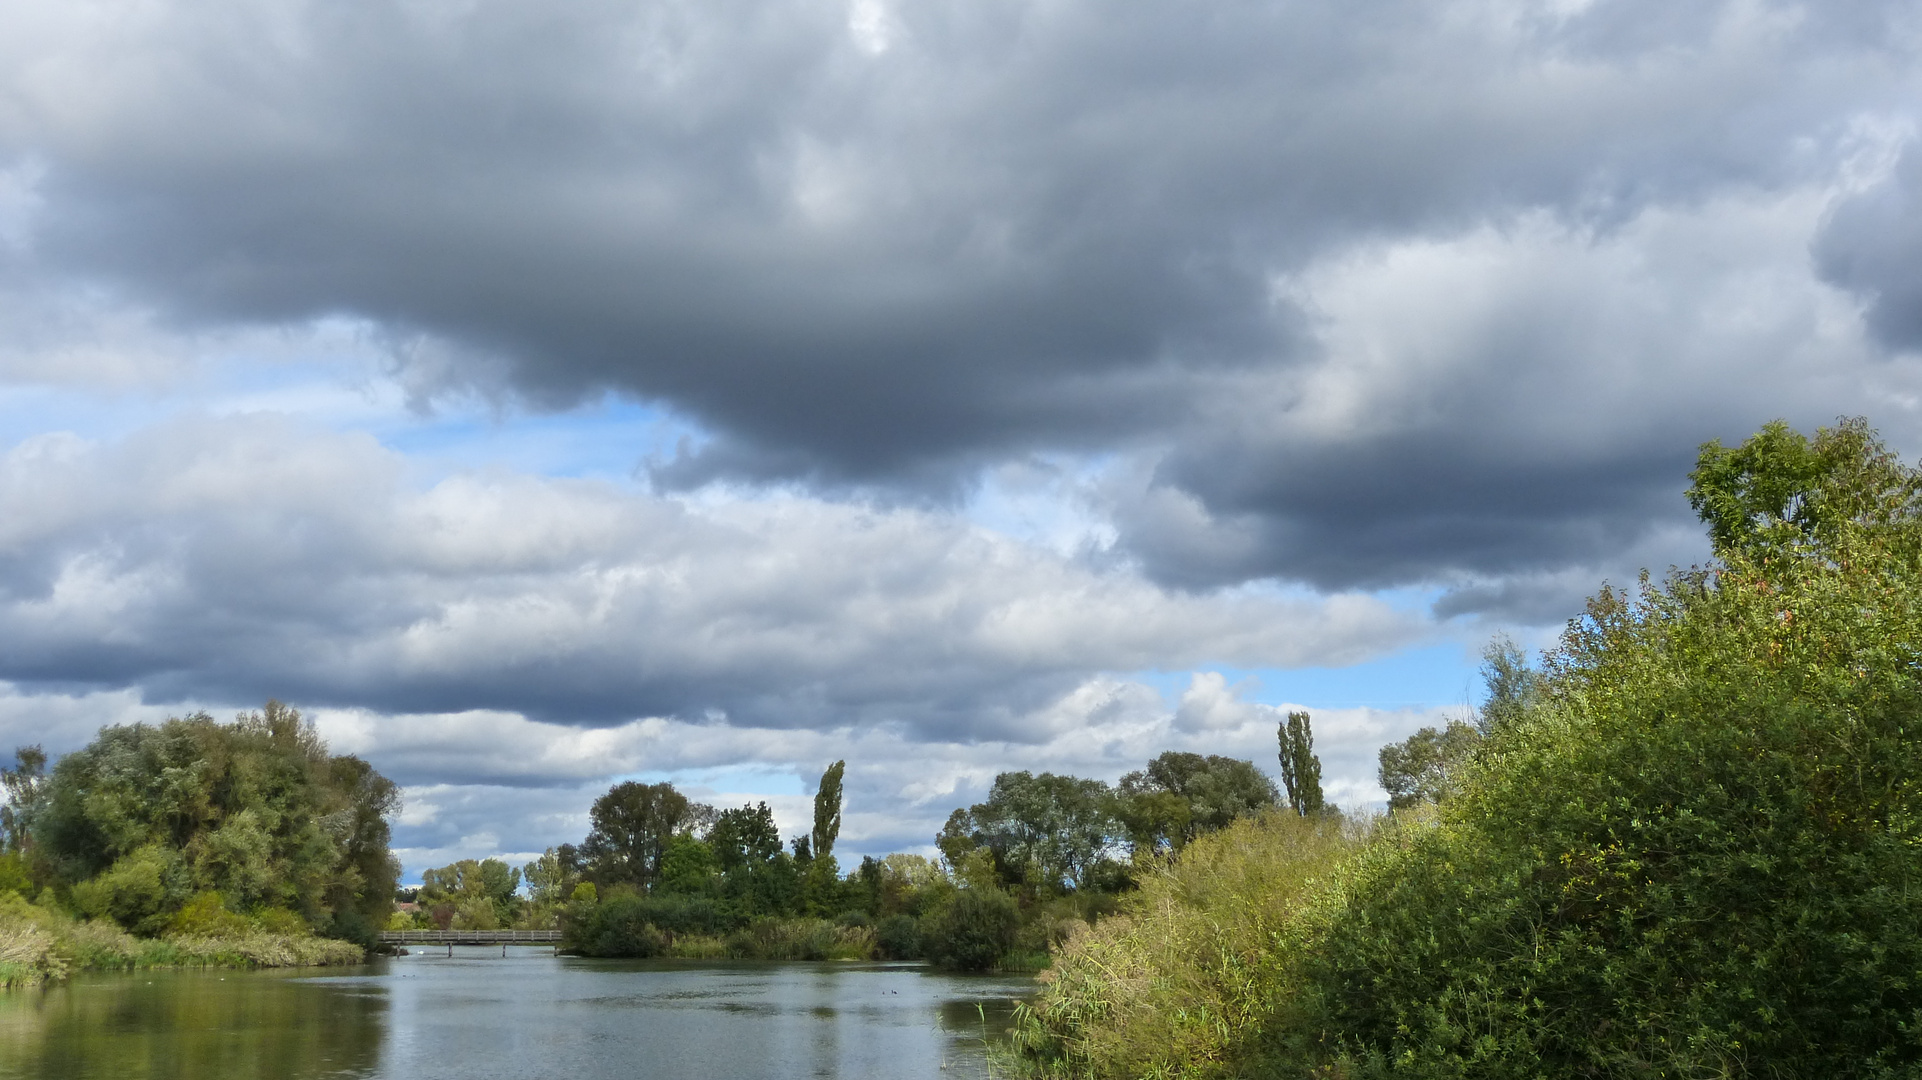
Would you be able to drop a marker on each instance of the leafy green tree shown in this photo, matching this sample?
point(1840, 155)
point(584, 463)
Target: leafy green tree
point(1300, 768)
point(972, 930)
point(1427, 766)
point(688, 866)
point(549, 879)
point(25, 784)
point(827, 811)
point(821, 884)
point(1180, 796)
point(471, 885)
point(757, 877)
point(1046, 831)
point(632, 825)
point(1511, 685)
point(1783, 496)
point(745, 836)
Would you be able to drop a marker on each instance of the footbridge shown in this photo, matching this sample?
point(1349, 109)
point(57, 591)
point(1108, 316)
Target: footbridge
point(451, 938)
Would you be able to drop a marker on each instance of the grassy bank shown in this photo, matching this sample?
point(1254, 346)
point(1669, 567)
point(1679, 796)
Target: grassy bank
point(38, 946)
point(1187, 972)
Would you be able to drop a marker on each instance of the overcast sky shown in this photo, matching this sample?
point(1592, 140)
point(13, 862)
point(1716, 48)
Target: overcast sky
point(541, 395)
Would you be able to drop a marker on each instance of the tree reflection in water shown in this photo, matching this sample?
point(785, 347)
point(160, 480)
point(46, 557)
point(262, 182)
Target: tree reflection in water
point(191, 1025)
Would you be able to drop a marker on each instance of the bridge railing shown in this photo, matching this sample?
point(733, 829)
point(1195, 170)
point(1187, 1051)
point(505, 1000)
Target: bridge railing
point(468, 937)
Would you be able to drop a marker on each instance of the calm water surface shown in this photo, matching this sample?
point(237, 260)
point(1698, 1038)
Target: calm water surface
point(479, 1017)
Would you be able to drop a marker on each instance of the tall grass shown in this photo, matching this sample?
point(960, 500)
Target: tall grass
point(1180, 981)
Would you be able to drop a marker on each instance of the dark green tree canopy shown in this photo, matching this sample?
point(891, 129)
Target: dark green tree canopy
point(746, 836)
point(1180, 796)
point(632, 825)
point(145, 817)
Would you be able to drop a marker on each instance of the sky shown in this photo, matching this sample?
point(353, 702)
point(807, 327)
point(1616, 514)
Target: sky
point(541, 396)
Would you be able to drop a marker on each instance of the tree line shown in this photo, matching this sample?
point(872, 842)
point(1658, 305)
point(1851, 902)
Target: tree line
point(660, 874)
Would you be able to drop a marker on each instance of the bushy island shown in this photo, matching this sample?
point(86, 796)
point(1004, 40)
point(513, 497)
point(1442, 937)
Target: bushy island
point(193, 842)
point(1690, 846)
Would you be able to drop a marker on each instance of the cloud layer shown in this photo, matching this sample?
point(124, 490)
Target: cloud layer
point(230, 558)
point(998, 353)
point(1381, 297)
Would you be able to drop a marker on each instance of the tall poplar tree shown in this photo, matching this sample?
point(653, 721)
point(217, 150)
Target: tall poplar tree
point(1300, 768)
point(827, 811)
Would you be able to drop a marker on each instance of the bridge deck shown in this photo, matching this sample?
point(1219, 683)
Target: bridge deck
point(470, 937)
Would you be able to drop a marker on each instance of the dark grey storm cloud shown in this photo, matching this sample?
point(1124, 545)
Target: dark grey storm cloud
point(886, 244)
point(1873, 246)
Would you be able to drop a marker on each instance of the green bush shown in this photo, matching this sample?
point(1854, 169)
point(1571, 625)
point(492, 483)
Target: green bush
point(1698, 858)
point(140, 891)
point(617, 926)
point(898, 937)
point(972, 931)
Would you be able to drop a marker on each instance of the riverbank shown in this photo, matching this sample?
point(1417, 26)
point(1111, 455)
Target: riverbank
point(38, 946)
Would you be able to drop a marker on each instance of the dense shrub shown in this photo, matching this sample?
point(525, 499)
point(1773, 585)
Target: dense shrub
point(1699, 857)
point(971, 931)
point(617, 926)
point(898, 937)
point(800, 939)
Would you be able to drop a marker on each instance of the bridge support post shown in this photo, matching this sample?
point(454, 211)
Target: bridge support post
point(450, 950)
point(503, 950)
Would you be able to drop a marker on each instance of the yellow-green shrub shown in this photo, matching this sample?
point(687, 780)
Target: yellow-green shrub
point(1181, 982)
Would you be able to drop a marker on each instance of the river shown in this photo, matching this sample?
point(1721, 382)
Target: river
point(530, 1016)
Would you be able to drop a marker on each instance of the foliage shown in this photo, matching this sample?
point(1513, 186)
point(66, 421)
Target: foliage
point(1692, 852)
point(549, 879)
point(1180, 796)
point(827, 811)
point(1427, 766)
point(1300, 768)
point(1188, 972)
point(688, 865)
point(481, 892)
point(898, 937)
point(971, 931)
point(632, 825)
point(1781, 497)
point(1047, 832)
point(1513, 687)
point(40, 944)
point(25, 784)
point(145, 818)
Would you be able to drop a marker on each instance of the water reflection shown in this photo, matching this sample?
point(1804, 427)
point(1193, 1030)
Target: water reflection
point(530, 1015)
